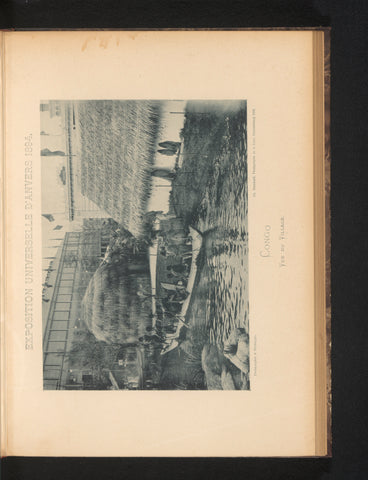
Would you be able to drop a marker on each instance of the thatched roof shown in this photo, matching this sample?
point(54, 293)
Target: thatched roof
point(111, 308)
point(118, 143)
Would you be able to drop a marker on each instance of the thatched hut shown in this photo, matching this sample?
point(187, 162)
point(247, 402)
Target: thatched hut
point(118, 144)
point(116, 307)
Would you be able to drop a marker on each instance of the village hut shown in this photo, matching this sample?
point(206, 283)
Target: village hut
point(112, 308)
point(118, 143)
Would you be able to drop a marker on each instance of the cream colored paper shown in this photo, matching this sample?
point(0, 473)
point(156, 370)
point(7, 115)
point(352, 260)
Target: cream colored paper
point(273, 72)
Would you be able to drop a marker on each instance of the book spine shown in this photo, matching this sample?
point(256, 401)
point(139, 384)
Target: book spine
point(327, 157)
point(322, 242)
point(3, 395)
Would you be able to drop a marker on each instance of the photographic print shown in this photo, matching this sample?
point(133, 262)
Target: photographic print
point(144, 245)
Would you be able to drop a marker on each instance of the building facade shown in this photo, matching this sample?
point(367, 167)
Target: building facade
point(77, 259)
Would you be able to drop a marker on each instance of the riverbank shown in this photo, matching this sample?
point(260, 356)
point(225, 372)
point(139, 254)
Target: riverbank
point(210, 193)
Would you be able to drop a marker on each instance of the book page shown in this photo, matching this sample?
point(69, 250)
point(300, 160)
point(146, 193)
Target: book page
point(159, 241)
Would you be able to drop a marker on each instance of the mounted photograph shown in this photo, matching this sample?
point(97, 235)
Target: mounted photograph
point(144, 245)
point(166, 230)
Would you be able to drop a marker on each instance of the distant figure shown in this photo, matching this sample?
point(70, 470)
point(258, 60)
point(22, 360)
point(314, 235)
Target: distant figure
point(169, 148)
point(171, 145)
point(166, 173)
point(167, 151)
